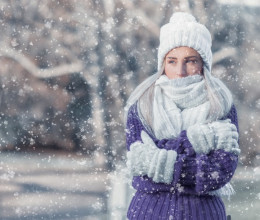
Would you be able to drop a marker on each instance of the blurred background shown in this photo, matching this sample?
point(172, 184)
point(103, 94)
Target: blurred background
point(67, 68)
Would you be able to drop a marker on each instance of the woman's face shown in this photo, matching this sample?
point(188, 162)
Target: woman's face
point(181, 62)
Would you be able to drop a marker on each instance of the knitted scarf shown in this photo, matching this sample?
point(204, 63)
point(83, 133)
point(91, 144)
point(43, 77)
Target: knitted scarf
point(178, 104)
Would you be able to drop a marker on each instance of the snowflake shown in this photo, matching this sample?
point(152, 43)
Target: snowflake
point(215, 175)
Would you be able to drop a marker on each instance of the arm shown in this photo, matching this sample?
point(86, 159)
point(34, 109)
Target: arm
point(133, 127)
point(206, 172)
point(144, 157)
point(197, 173)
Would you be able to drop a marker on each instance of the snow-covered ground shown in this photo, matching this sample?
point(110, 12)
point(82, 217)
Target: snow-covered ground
point(50, 187)
point(68, 187)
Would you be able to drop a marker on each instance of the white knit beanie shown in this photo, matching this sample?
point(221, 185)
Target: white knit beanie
point(184, 30)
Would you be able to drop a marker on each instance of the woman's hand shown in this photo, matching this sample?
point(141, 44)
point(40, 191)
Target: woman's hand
point(226, 135)
point(147, 159)
point(221, 134)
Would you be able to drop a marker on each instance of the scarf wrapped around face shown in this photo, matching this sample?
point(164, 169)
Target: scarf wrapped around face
point(178, 104)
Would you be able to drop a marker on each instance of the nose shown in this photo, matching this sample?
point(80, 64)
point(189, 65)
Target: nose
point(181, 70)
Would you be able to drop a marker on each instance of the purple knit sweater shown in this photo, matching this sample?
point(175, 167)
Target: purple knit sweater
point(187, 196)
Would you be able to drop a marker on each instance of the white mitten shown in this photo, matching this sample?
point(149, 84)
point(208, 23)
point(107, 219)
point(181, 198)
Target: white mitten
point(226, 136)
point(134, 166)
point(146, 159)
point(221, 134)
point(201, 138)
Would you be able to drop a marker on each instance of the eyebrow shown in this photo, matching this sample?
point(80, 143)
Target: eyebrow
point(184, 57)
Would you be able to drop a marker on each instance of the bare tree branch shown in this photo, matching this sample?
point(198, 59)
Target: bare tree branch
point(27, 64)
point(223, 54)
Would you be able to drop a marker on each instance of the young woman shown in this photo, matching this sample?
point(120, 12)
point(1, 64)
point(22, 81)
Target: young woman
point(182, 131)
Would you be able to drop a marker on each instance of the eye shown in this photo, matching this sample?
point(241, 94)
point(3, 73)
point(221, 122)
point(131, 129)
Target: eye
point(192, 61)
point(172, 61)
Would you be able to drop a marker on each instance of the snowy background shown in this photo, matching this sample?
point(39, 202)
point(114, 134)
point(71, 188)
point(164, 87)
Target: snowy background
point(66, 70)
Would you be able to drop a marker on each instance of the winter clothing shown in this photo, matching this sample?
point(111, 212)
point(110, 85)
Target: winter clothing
point(195, 177)
point(216, 135)
point(182, 104)
point(145, 158)
point(184, 30)
point(178, 103)
point(183, 160)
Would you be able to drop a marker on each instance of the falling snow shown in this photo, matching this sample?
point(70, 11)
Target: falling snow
point(66, 71)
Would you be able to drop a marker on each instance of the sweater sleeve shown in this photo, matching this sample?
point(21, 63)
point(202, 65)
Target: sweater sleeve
point(202, 173)
point(133, 127)
point(193, 173)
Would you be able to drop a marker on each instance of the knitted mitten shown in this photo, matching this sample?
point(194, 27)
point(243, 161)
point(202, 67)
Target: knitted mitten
point(147, 159)
point(221, 134)
point(226, 135)
point(201, 138)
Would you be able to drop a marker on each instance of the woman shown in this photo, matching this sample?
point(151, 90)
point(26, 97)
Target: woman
point(182, 131)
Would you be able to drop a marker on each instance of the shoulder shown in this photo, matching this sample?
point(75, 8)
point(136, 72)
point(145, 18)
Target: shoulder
point(133, 116)
point(232, 112)
point(132, 111)
point(133, 108)
point(134, 126)
point(135, 120)
point(232, 115)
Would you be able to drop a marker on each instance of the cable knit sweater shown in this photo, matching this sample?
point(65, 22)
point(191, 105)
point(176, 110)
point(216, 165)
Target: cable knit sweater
point(195, 175)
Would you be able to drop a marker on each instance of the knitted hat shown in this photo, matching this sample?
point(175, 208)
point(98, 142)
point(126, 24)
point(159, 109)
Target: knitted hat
point(184, 30)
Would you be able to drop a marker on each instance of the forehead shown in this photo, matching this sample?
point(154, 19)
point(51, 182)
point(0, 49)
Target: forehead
point(182, 52)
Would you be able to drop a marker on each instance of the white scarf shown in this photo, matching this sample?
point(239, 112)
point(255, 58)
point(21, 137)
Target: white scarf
point(178, 104)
